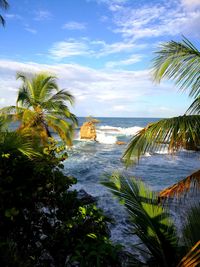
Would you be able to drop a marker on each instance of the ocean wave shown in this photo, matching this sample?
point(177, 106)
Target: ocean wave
point(105, 138)
point(129, 131)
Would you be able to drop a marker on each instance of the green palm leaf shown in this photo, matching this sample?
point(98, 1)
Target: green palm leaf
point(194, 107)
point(179, 61)
point(175, 133)
point(149, 220)
point(13, 141)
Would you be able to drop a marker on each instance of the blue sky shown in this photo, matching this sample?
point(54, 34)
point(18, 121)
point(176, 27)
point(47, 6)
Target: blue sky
point(101, 50)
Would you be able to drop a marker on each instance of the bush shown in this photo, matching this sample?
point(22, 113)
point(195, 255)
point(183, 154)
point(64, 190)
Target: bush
point(42, 222)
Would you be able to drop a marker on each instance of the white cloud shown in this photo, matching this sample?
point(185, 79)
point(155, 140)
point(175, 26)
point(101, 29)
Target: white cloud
point(114, 5)
point(120, 63)
point(91, 48)
point(74, 25)
point(98, 92)
point(42, 15)
point(68, 48)
point(118, 47)
point(153, 20)
point(191, 4)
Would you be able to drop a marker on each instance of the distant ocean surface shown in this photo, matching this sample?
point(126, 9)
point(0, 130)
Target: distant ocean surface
point(90, 161)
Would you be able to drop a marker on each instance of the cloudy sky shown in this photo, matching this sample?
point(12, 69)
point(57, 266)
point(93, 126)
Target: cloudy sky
point(101, 50)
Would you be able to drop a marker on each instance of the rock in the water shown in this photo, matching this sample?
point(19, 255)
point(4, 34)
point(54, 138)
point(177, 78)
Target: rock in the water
point(88, 131)
point(85, 197)
point(120, 143)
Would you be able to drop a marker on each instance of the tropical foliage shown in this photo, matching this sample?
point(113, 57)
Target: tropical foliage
point(4, 5)
point(41, 107)
point(43, 223)
point(179, 61)
point(151, 222)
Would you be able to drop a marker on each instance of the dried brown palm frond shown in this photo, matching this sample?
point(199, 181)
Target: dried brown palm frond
point(192, 258)
point(182, 186)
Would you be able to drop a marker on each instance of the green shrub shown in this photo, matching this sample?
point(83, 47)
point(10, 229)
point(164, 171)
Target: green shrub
point(42, 222)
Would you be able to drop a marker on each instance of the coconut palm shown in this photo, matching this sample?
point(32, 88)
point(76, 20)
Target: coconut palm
point(3, 5)
point(161, 244)
point(179, 61)
point(41, 107)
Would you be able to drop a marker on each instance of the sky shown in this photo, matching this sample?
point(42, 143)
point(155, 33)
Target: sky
point(101, 51)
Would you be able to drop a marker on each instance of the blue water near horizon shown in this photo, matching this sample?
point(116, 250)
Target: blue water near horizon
point(90, 162)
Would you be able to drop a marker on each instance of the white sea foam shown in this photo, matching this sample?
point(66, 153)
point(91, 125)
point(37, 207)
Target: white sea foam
point(108, 134)
point(162, 152)
point(120, 130)
point(105, 138)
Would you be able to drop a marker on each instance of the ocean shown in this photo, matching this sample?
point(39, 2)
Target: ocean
point(90, 162)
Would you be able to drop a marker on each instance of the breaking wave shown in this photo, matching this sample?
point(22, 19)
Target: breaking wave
point(119, 130)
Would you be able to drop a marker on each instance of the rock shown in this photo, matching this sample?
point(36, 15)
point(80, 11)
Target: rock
point(85, 198)
point(88, 131)
point(120, 143)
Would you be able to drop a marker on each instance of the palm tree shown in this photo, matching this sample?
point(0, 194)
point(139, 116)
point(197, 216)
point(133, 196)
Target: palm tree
point(41, 106)
point(4, 5)
point(179, 61)
point(161, 244)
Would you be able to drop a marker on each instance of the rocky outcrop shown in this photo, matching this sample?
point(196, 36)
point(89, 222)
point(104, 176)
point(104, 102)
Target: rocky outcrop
point(88, 131)
point(120, 143)
point(85, 198)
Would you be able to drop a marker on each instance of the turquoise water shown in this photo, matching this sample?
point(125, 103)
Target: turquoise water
point(89, 162)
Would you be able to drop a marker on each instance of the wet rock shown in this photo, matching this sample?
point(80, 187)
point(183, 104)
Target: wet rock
point(88, 131)
point(85, 198)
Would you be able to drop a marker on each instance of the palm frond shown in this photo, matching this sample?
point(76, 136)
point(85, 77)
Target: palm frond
point(25, 78)
point(4, 4)
point(13, 141)
point(12, 113)
point(2, 20)
point(192, 258)
point(191, 233)
point(63, 95)
point(62, 127)
point(150, 221)
point(179, 61)
point(64, 113)
point(194, 108)
point(23, 98)
point(182, 186)
point(173, 133)
point(3, 124)
point(44, 85)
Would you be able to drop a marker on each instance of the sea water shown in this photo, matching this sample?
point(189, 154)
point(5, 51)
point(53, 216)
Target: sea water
point(90, 162)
